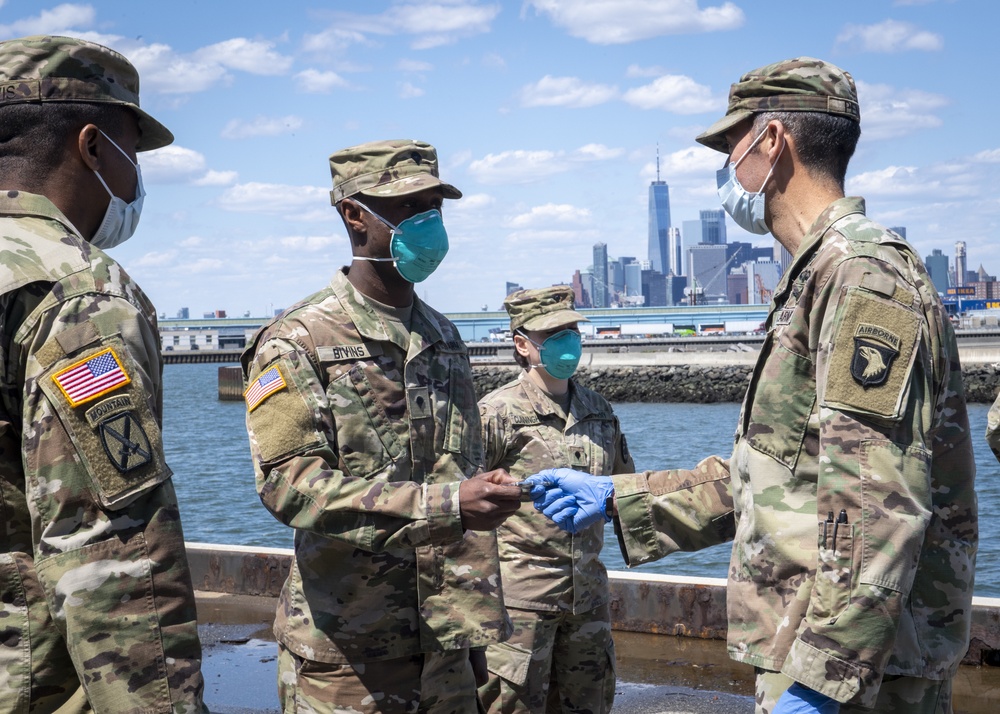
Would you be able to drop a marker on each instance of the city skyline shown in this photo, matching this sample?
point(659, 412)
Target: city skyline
point(546, 115)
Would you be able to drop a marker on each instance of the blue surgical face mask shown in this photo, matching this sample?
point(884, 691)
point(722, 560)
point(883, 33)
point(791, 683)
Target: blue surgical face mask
point(418, 244)
point(560, 353)
point(747, 209)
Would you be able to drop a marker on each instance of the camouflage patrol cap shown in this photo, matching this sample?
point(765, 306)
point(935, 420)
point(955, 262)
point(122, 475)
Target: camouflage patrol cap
point(542, 309)
point(386, 168)
point(44, 68)
point(803, 84)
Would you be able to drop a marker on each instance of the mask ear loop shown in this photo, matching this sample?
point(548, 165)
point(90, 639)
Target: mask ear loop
point(391, 228)
point(750, 148)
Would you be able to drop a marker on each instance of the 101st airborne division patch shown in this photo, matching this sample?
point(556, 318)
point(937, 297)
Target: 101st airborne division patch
point(875, 348)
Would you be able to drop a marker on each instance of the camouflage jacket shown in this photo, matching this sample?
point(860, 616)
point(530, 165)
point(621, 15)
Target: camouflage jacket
point(993, 428)
point(94, 580)
point(855, 413)
point(524, 431)
point(361, 447)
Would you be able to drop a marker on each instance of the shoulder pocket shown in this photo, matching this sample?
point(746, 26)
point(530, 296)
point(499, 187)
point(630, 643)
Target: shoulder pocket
point(100, 396)
point(873, 355)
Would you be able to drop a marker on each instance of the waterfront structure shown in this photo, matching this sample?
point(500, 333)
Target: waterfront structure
point(937, 267)
point(659, 222)
point(599, 296)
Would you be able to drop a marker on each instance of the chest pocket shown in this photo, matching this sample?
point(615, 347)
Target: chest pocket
point(462, 433)
point(364, 401)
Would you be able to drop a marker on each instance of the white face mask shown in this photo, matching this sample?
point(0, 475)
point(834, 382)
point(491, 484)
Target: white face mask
point(121, 218)
point(747, 209)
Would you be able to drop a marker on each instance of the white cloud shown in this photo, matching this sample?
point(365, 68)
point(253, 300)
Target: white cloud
point(172, 164)
point(635, 70)
point(607, 22)
point(191, 242)
point(311, 244)
point(696, 162)
point(674, 93)
point(410, 91)
point(61, 18)
point(316, 82)
point(520, 166)
point(256, 197)
point(163, 70)
point(550, 214)
point(204, 265)
point(408, 65)
point(251, 56)
point(431, 24)
point(154, 259)
point(889, 36)
point(261, 126)
point(217, 178)
point(571, 92)
point(988, 156)
point(887, 112)
point(470, 203)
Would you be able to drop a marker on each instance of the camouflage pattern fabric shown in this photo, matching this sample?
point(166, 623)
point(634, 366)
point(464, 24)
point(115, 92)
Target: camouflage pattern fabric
point(993, 428)
point(545, 569)
point(852, 475)
point(362, 450)
point(386, 168)
point(554, 662)
point(802, 84)
point(95, 589)
point(897, 695)
point(542, 308)
point(430, 683)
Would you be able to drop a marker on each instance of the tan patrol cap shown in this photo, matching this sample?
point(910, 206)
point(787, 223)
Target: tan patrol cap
point(802, 84)
point(542, 309)
point(386, 168)
point(45, 68)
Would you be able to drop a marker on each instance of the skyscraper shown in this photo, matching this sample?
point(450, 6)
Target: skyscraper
point(960, 266)
point(659, 221)
point(675, 246)
point(937, 267)
point(599, 296)
point(713, 226)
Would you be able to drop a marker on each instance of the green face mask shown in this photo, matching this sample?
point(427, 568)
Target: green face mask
point(560, 353)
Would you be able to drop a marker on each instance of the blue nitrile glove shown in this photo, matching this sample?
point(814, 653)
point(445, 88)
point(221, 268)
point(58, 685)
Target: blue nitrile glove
point(802, 700)
point(573, 500)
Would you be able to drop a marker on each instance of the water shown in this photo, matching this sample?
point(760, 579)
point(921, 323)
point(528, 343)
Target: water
point(206, 446)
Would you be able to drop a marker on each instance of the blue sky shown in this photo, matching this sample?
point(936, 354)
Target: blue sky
point(546, 114)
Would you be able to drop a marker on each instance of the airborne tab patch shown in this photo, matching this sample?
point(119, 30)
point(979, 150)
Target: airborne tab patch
point(92, 377)
point(874, 350)
point(263, 387)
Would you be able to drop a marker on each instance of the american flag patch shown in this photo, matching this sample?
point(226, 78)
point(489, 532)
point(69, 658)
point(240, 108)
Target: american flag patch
point(264, 386)
point(91, 378)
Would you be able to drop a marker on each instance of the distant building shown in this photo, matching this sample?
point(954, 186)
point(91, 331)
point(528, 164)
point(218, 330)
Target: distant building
point(184, 314)
point(691, 231)
point(707, 269)
point(899, 229)
point(654, 288)
point(738, 253)
point(961, 271)
point(762, 280)
point(675, 246)
point(633, 282)
point(599, 296)
point(659, 221)
point(581, 296)
point(937, 267)
point(512, 288)
point(736, 288)
point(713, 226)
point(782, 256)
point(674, 287)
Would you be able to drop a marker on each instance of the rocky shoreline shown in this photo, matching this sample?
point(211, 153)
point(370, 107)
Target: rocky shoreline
point(693, 383)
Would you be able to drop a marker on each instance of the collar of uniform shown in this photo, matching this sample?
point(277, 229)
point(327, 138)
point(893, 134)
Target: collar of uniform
point(543, 404)
point(423, 321)
point(22, 203)
point(814, 236)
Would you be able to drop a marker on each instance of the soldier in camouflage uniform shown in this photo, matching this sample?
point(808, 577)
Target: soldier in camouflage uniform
point(850, 584)
point(97, 611)
point(366, 440)
point(561, 656)
point(993, 428)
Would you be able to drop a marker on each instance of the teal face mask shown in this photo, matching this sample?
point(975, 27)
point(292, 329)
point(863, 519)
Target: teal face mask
point(560, 353)
point(418, 244)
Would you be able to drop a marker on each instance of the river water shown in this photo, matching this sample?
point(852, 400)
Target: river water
point(206, 446)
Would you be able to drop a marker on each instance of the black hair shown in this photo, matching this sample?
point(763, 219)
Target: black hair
point(824, 142)
point(33, 137)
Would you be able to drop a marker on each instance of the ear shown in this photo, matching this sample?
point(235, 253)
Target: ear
point(521, 344)
point(88, 144)
point(775, 140)
point(353, 216)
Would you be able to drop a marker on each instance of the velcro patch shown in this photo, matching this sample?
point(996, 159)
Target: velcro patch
point(125, 442)
point(345, 353)
point(263, 387)
point(92, 377)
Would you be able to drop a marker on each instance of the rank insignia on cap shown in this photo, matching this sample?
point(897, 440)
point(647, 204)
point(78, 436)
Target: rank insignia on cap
point(874, 350)
point(125, 442)
point(92, 378)
point(263, 387)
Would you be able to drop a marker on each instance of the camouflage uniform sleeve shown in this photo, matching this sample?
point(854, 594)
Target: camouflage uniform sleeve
point(662, 512)
point(993, 428)
point(109, 551)
point(293, 442)
point(623, 459)
point(494, 435)
point(875, 400)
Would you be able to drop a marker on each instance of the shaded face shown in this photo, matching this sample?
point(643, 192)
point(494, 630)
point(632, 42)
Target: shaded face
point(395, 210)
point(752, 167)
point(116, 170)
